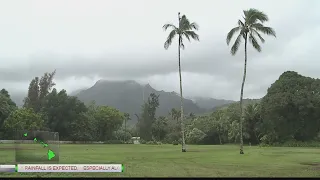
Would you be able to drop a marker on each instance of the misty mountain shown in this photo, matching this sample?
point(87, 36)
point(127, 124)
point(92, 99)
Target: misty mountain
point(128, 96)
point(17, 97)
point(74, 93)
point(209, 103)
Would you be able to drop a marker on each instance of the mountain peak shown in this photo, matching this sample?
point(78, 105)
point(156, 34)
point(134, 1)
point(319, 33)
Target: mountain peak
point(128, 96)
point(148, 86)
point(103, 81)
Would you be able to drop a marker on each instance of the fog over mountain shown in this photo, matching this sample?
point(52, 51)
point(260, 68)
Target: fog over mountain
point(91, 41)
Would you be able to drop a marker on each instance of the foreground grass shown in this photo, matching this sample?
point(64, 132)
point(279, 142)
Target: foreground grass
point(169, 161)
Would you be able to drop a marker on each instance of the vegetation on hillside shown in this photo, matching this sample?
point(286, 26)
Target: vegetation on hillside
point(287, 115)
point(132, 97)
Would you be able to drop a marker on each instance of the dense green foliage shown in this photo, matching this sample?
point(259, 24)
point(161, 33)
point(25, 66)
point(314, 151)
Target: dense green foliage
point(58, 112)
point(288, 115)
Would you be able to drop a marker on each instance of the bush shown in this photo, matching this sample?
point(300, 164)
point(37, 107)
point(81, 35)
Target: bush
point(174, 136)
point(121, 135)
point(175, 143)
point(195, 136)
point(294, 143)
point(113, 142)
point(152, 143)
point(128, 142)
point(142, 141)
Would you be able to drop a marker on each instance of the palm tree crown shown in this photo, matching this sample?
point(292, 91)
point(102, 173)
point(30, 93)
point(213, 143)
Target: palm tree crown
point(250, 28)
point(185, 29)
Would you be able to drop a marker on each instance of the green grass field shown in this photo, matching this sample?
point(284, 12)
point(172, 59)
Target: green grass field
point(169, 161)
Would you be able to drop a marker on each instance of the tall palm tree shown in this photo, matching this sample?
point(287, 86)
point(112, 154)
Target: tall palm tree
point(184, 29)
point(249, 29)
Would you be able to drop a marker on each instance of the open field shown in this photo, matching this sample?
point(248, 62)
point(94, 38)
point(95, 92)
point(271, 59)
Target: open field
point(168, 161)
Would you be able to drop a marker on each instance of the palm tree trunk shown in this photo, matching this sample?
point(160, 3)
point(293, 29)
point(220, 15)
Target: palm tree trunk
point(181, 103)
point(125, 130)
point(241, 96)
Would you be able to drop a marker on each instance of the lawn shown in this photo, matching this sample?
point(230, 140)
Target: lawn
point(169, 161)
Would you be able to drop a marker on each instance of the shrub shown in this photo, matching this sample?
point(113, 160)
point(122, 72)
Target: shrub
point(152, 143)
point(175, 143)
point(195, 136)
point(121, 135)
point(174, 136)
point(113, 142)
point(128, 142)
point(142, 141)
point(294, 143)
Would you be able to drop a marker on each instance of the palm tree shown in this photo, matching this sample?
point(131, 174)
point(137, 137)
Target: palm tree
point(173, 113)
point(185, 29)
point(250, 28)
point(252, 118)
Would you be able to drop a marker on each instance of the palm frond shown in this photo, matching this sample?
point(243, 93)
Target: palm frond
point(231, 33)
point(166, 26)
point(194, 26)
point(254, 15)
point(254, 42)
point(187, 36)
point(170, 38)
point(183, 22)
point(258, 34)
point(193, 35)
point(185, 25)
point(236, 44)
point(240, 23)
point(264, 29)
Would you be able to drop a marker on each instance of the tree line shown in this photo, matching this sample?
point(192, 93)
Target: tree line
point(47, 109)
point(289, 114)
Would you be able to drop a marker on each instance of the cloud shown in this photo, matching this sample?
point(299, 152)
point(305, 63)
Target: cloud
point(124, 40)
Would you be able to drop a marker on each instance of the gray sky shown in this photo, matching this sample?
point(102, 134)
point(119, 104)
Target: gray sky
point(123, 39)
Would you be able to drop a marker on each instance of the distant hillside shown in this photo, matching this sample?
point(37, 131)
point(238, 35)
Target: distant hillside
point(18, 97)
point(74, 93)
point(128, 96)
point(209, 103)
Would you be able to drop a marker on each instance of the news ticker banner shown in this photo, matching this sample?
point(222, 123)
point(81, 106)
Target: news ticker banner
point(62, 168)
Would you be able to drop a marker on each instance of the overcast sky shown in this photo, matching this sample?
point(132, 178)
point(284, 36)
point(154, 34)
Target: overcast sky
point(123, 39)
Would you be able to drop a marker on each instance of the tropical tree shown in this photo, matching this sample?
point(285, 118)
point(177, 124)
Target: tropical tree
point(184, 29)
point(250, 28)
point(126, 119)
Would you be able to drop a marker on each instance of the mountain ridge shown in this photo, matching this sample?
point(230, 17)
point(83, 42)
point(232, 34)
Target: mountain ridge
point(128, 96)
